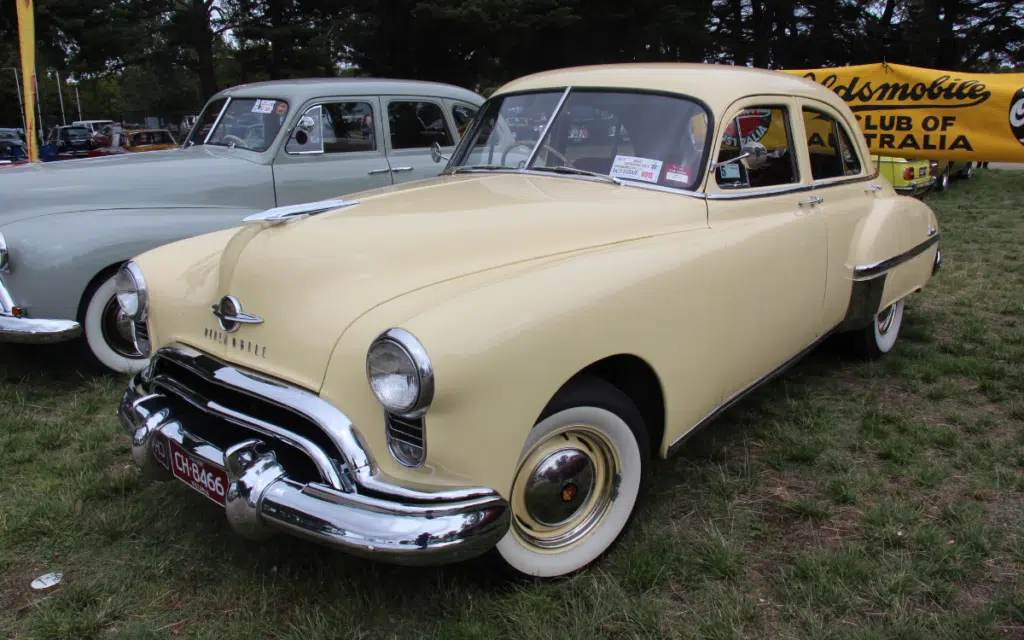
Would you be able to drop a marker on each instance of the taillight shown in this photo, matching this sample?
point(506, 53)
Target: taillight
point(908, 173)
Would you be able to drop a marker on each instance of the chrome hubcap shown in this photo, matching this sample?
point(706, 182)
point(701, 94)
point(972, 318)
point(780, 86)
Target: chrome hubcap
point(564, 488)
point(885, 319)
point(117, 330)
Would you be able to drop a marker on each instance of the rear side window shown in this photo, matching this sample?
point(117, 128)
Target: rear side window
point(829, 147)
point(416, 125)
point(767, 126)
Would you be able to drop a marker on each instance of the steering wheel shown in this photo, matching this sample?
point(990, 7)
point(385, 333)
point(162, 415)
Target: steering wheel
point(238, 142)
point(567, 162)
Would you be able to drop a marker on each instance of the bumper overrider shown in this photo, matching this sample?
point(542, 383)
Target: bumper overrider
point(295, 464)
point(15, 327)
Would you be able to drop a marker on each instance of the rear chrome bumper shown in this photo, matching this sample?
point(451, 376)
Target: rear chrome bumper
point(917, 188)
point(32, 330)
point(938, 261)
point(352, 506)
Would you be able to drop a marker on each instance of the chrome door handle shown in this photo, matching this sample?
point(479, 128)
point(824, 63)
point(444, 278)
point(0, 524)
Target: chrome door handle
point(812, 200)
point(874, 187)
point(378, 171)
point(400, 169)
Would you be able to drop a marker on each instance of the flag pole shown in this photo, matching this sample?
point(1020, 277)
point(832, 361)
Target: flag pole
point(27, 40)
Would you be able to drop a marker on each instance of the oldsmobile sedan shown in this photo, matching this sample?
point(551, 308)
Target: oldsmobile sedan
point(486, 361)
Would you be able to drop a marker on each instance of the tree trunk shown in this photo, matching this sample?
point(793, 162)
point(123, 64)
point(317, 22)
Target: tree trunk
point(202, 40)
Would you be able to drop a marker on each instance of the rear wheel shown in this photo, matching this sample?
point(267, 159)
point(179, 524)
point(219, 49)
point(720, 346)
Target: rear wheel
point(879, 337)
point(579, 476)
point(943, 182)
point(108, 337)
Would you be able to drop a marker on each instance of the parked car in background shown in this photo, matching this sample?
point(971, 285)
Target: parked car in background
point(92, 125)
point(908, 177)
point(12, 148)
point(946, 170)
point(135, 141)
point(67, 142)
point(489, 359)
point(254, 147)
point(102, 137)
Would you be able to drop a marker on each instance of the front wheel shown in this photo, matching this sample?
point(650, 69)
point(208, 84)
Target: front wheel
point(579, 476)
point(107, 331)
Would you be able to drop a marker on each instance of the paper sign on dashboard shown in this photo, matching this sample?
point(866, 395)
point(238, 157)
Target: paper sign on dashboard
point(633, 168)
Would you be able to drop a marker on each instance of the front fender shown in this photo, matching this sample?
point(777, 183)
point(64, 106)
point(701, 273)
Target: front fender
point(503, 344)
point(55, 257)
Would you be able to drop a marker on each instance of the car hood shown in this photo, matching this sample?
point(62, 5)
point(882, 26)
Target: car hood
point(310, 279)
point(175, 178)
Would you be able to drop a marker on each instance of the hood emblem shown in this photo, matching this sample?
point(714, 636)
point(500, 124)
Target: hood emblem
point(230, 315)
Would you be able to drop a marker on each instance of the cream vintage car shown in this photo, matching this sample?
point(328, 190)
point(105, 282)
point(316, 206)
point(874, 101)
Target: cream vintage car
point(488, 359)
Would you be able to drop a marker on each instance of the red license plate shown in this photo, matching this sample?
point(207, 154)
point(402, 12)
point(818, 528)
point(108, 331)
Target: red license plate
point(205, 478)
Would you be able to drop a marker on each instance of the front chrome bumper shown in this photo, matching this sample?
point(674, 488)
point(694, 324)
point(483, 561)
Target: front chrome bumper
point(32, 330)
point(351, 506)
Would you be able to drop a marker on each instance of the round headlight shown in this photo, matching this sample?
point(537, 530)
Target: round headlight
point(400, 373)
point(4, 257)
point(131, 291)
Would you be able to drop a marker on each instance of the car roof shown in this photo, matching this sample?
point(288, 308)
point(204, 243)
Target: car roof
point(717, 85)
point(301, 90)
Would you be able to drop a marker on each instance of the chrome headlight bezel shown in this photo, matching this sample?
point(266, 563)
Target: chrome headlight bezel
point(419, 366)
point(130, 283)
point(5, 256)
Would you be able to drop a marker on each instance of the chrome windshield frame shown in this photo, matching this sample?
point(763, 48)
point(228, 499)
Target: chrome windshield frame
point(216, 122)
point(547, 126)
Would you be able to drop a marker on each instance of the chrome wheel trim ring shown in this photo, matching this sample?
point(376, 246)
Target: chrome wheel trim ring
point(884, 319)
point(117, 333)
point(577, 460)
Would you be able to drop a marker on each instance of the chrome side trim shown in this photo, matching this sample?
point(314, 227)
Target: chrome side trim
point(740, 395)
point(796, 188)
point(875, 268)
point(547, 125)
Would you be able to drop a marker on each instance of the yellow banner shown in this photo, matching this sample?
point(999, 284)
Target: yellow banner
point(912, 112)
point(27, 37)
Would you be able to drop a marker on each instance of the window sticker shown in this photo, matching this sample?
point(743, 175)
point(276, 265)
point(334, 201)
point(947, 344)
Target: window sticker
point(729, 171)
point(281, 108)
point(677, 173)
point(633, 168)
point(263, 106)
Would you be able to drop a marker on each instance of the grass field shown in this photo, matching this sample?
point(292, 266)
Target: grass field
point(844, 500)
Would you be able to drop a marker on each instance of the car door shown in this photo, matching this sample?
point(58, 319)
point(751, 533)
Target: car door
point(776, 236)
point(414, 123)
point(335, 148)
point(842, 179)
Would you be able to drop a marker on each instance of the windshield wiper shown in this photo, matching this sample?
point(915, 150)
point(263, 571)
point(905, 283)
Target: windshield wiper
point(480, 167)
point(578, 172)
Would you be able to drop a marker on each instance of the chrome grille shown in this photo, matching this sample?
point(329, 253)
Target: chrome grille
point(406, 439)
point(228, 415)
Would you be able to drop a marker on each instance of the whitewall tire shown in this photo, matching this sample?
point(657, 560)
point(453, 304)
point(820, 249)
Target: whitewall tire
point(107, 337)
point(576, 487)
point(879, 338)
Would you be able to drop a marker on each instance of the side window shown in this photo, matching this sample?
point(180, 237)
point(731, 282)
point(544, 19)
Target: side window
point(462, 115)
point(767, 126)
point(348, 126)
point(830, 150)
point(416, 125)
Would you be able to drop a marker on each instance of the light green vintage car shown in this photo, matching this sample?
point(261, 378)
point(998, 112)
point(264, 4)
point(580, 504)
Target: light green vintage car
point(66, 227)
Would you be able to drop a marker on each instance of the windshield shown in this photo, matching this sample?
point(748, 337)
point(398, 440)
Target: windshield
point(247, 123)
point(634, 137)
